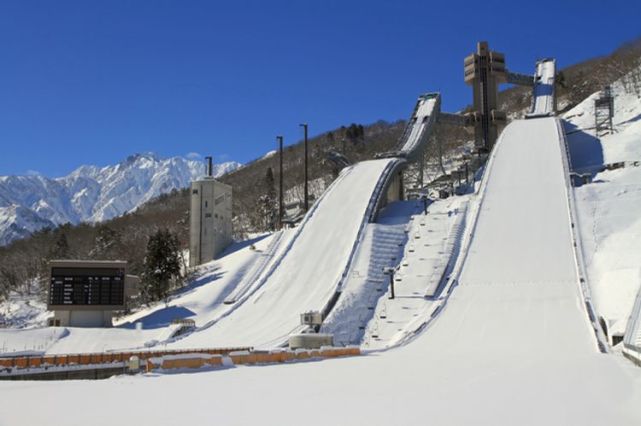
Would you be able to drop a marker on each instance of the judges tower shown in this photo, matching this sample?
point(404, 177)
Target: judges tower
point(210, 229)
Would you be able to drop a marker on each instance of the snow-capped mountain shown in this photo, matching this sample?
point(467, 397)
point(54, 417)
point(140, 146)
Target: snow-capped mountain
point(91, 193)
point(19, 222)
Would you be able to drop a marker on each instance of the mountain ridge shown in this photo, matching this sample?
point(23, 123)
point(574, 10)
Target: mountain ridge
point(92, 193)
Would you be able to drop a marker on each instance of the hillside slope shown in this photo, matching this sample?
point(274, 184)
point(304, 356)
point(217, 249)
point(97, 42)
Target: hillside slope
point(609, 205)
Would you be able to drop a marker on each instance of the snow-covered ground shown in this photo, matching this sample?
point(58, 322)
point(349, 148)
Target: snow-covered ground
point(23, 311)
point(609, 207)
point(202, 301)
point(416, 384)
point(34, 341)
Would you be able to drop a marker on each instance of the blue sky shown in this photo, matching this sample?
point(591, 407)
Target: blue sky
point(88, 82)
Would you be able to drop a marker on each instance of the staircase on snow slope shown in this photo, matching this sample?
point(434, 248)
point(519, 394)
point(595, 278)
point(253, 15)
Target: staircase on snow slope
point(382, 247)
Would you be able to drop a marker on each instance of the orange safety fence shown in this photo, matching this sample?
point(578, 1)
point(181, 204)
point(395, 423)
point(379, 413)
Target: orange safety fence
point(33, 361)
point(250, 358)
point(171, 359)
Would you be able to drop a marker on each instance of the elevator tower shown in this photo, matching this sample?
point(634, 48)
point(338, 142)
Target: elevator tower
point(484, 71)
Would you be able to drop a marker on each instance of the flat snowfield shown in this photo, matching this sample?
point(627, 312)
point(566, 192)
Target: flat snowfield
point(513, 345)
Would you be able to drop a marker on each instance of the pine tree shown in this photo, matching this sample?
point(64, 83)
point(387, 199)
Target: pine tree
point(108, 243)
point(355, 132)
point(9, 280)
point(60, 248)
point(161, 265)
point(330, 137)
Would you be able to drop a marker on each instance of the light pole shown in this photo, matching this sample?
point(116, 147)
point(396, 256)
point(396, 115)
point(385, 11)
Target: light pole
point(304, 126)
point(280, 183)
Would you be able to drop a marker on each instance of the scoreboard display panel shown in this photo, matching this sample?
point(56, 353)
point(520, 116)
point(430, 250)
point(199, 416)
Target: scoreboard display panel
point(87, 285)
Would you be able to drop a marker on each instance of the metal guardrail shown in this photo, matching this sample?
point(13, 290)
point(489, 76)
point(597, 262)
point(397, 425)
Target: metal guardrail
point(632, 334)
point(599, 334)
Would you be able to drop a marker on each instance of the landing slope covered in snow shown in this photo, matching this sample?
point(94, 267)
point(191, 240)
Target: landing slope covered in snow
point(518, 290)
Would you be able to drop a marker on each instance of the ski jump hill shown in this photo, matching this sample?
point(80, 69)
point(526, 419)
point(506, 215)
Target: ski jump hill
point(309, 272)
point(519, 282)
point(520, 273)
point(510, 338)
point(517, 279)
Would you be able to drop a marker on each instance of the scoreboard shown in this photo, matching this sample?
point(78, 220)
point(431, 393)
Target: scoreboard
point(88, 284)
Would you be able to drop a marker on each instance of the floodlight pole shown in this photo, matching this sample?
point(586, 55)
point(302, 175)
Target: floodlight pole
point(280, 183)
point(304, 126)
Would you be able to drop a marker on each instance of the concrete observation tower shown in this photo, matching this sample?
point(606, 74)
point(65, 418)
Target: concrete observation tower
point(210, 229)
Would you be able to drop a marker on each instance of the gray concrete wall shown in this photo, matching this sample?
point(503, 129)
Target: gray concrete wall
point(69, 374)
point(395, 189)
point(83, 318)
point(210, 220)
